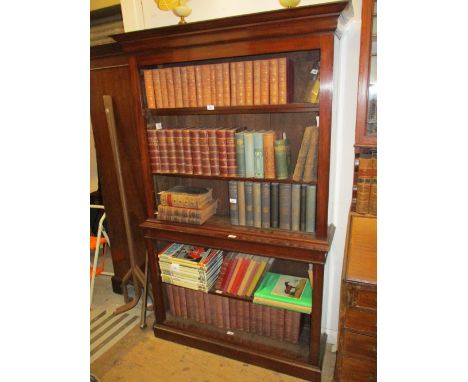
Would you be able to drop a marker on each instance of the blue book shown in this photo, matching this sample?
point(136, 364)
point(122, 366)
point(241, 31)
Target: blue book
point(249, 154)
point(249, 216)
point(258, 154)
point(240, 154)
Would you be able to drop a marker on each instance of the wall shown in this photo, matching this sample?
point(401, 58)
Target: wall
point(144, 14)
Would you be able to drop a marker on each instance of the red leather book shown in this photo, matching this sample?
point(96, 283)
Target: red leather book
point(162, 143)
point(170, 87)
point(232, 314)
point(231, 151)
point(240, 275)
point(199, 85)
point(222, 271)
point(192, 86)
point(171, 151)
point(219, 84)
point(179, 101)
point(226, 84)
point(153, 150)
point(204, 151)
point(183, 302)
point(179, 150)
point(225, 309)
point(196, 153)
point(232, 266)
point(214, 155)
point(185, 87)
point(221, 145)
point(175, 292)
point(187, 149)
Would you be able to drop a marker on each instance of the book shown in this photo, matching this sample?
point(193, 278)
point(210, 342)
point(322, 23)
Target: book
point(226, 84)
point(222, 151)
point(282, 158)
point(229, 271)
point(179, 150)
point(219, 84)
point(274, 81)
point(149, 89)
point(240, 154)
point(213, 150)
point(233, 83)
point(157, 88)
point(185, 86)
point(285, 206)
point(258, 154)
point(204, 151)
point(241, 202)
point(231, 150)
point(256, 83)
point(162, 144)
point(301, 158)
point(223, 271)
point(192, 86)
point(171, 150)
point(187, 215)
point(170, 87)
point(265, 264)
point(284, 80)
point(265, 205)
point(196, 151)
point(164, 90)
point(233, 203)
point(237, 264)
point(269, 154)
point(264, 82)
point(256, 261)
point(240, 274)
point(295, 206)
point(302, 218)
point(186, 196)
point(249, 217)
point(213, 84)
point(206, 85)
point(310, 271)
point(199, 85)
point(373, 188)
point(240, 83)
point(274, 205)
point(310, 207)
point(179, 100)
point(249, 154)
point(257, 205)
point(286, 292)
point(310, 167)
point(248, 69)
point(187, 151)
point(364, 184)
point(247, 276)
point(154, 151)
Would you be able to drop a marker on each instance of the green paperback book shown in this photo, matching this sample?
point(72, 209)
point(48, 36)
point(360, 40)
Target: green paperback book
point(286, 292)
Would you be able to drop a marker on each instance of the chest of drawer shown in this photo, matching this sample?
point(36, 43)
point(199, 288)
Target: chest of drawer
point(363, 298)
point(358, 370)
point(359, 345)
point(361, 320)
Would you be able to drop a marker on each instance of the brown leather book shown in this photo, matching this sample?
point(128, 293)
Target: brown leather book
point(256, 83)
point(183, 303)
point(373, 188)
point(157, 88)
point(187, 150)
point(204, 151)
point(240, 83)
point(213, 84)
point(274, 81)
point(302, 156)
point(190, 305)
point(295, 327)
point(171, 151)
point(284, 80)
point(219, 311)
point(196, 152)
point(206, 85)
point(206, 304)
point(249, 86)
point(196, 308)
point(170, 87)
point(230, 135)
point(274, 323)
point(149, 89)
point(199, 85)
point(192, 86)
point(253, 319)
point(162, 143)
point(179, 101)
point(201, 306)
point(179, 150)
point(214, 155)
point(246, 311)
point(222, 153)
point(233, 75)
point(239, 315)
point(153, 150)
point(226, 317)
point(232, 314)
point(185, 87)
point(226, 84)
point(364, 184)
point(176, 293)
point(280, 323)
point(267, 313)
point(219, 84)
point(312, 156)
point(264, 82)
point(258, 319)
point(170, 297)
point(288, 325)
point(212, 303)
point(164, 91)
point(269, 154)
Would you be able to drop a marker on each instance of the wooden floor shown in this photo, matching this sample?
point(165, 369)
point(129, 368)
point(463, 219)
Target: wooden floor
point(139, 356)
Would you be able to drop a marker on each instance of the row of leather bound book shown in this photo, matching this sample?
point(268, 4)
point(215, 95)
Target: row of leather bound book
point(242, 83)
point(233, 314)
point(366, 193)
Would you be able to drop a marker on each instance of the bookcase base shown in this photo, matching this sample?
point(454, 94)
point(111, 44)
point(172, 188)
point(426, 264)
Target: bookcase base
point(250, 355)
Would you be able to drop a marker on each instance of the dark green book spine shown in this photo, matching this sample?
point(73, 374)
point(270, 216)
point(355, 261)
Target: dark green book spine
point(274, 198)
point(310, 208)
point(257, 205)
point(249, 218)
point(249, 154)
point(233, 205)
point(295, 206)
point(240, 154)
point(282, 158)
point(265, 205)
point(303, 207)
point(241, 202)
point(285, 206)
point(258, 153)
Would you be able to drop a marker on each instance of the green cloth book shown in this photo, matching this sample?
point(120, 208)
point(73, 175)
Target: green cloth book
point(258, 154)
point(240, 154)
point(249, 215)
point(286, 292)
point(282, 158)
point(249, 154)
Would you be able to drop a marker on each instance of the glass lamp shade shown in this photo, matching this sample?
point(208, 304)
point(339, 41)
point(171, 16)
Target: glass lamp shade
point(182, 11)
point(289, 3)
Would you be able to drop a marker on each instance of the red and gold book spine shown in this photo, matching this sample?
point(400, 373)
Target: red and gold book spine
point(233, 75)
point(170, 87)
point(204, 152)
point(248, 68)
point(206, 85)
point(185, 87)
point(153, 150)
point(179, 150)
point(157, 88)
point(257, 99)
point(274, 81)
point(164, 92)
point(264, 82)
point(179, 102)
point(213, 84)
point(171, 151)
point(187, 148)
point(199, 85)
point(226, 84)
point(196, 154)
point(214, 155)
point(221, 143)
point(149, 89)
point(192, 86)
point(219, 84)
point(240, 83)
point(283, 84)
point(231, 151)
point(162, 143)
point(269, 154)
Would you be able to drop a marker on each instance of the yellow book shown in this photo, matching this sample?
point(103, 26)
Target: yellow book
point(257, 276)
point(247, 275)
point(234, 273)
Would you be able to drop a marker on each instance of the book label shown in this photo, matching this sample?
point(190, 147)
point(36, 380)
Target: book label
point(158, 126)
point(232, 200)
point(229, 333)
point(210, 107)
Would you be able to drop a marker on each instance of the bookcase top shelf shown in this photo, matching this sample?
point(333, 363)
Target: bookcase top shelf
point(252, 109)
point(217, 232)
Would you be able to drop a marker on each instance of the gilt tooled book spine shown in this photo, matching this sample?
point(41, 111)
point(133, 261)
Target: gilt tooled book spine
point(214, 155)
point(204, 151)
point(233, 83)
point(171, 151)
point(310, 208)
point(213, 84)
point(257, 205)
point(285, 80)
point(185, 87)
point(153, 150)
point(266, 219)
point(240, 154)
point(256, 83)
point(285, 206)
point(241, 202)
point(264, 82)
point(373, 188)
point(199, 85)
point(170, 87)
point(312, 156)
point(249, 218)
point(192, 86)
point(179, 150)
point(281, 158)
point(196, 152)
point(233, 203)
point(274, 206)
point(302, 156)
point(248, 68)
point(157, 88)
point(179, 99)
point(258, 154)
point(222, 154)
point(226, 84)
point(231, 151)
point(269, 154)
point(295, 207)
point(219, 84)
point(206, 85)
point(149, 89)
point(162, 142)
point(187, 150)
point(274, 81)
point(164, 90)
point(364, 184)
point(240, 83)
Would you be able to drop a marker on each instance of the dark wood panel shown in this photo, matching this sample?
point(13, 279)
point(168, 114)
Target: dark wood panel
point(365, 298)
point(361, 320)
point(358, 370)
point(359, 345)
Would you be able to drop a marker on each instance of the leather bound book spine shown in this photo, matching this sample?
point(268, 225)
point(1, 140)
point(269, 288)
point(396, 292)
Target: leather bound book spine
point(214, 155)
point(280, 323)
point(240, 85)
point(187, 150)
point(240, 314)
point(196, 152)
point(183, 303)
point(240, 154)
point(246, 315)
point(170, 297)
point(226, 84)
point(233, 203)
point(295, 327)
point(164, 91)
point(226, 316)
point(149, 89)
point(265, 205)
point(249, 154)
point(179, 150)
point(373, 188)
point(206, 305)
point(269, 154)
point(241, 202)
point(222, 154)
point(267, 313)
point(196, 309)
point(285, 206)
point(253, 318)
point(249, 218)
point(233, 83)
point(295, 207)
point(170, 87)
point(176, 293)
point(256, 83)
point(199, 85)
point(219, 84)
point(302, 217)
point(311, 159)
point(301, 158)
point(212, 304)
point(204, 152)
point(274, 207)
point(283, 80)
point(192, 86)
point(248, 69)
point(190, 305)
point(264, 82)
point(274, 81)
point(310, 208)
point(257, 205)
point(206, 85)
point(231, 151)
point(219, 311)
point(201, 306)
point(179, 100)
point(185, 87)
point(273, 323)
point(213, 84)
point(364, 184)
point(288, 325)
point(258, 319)
point(222, 272)
point(162, 143)
point(171, 151)
point(258, 155)
point(157, 88)
point(153, 150)
point(232, 314)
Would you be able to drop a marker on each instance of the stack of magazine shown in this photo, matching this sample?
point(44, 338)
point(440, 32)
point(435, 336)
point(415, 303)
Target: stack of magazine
point(189, 266)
